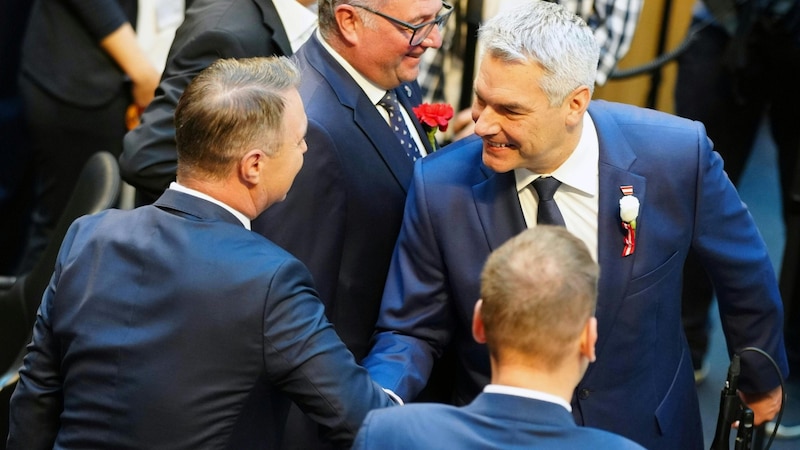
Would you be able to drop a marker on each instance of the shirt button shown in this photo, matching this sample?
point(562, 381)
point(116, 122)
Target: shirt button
point(583, 394)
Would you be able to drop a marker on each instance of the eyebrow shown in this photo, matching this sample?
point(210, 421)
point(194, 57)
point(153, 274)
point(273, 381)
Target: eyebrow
point(513, 106)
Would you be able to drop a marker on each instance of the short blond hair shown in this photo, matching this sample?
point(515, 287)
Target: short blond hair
point(228, 107)
point(538, 290)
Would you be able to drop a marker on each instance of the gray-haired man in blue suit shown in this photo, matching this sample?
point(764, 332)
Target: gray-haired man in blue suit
point(534, 119)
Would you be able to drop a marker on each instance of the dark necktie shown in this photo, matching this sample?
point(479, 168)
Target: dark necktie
point(390, 104)
point(548, 213)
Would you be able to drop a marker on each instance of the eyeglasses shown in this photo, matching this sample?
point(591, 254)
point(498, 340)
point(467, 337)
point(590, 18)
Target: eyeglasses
point(421, 31)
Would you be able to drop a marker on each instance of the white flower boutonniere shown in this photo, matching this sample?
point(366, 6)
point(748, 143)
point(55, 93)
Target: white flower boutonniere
point(628, 212)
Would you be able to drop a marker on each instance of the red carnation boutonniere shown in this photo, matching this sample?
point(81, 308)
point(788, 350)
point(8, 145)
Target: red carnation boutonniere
point(628, 212)
point(434, 117)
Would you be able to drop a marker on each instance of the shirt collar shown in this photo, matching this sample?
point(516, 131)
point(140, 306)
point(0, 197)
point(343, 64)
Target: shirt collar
point(181, 188)
point(302, 21)
point(528, 393)
point(374, 93)
point(579, 171)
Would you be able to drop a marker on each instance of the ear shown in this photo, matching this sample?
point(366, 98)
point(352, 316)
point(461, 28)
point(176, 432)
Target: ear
point(478, 331)
point(577, 102)
point(589, 339)
point(251, 166)
point(349, 22)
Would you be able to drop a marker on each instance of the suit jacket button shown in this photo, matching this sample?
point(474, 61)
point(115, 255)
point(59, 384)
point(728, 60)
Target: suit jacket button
point(583, 394)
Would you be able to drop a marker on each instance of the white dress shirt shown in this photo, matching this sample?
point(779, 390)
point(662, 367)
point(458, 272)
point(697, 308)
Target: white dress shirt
point(156, 23)
point(529, 393)
point(577, 197)
point(298, 21)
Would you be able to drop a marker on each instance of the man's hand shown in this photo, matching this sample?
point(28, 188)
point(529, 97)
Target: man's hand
point(124, 49)
point(144, 87)
point(765, 406)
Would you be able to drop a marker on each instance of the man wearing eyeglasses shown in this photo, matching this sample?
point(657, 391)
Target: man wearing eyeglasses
point(343, 213)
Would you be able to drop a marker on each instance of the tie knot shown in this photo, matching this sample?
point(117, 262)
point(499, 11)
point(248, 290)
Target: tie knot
point(389, 101)
point(546, 187)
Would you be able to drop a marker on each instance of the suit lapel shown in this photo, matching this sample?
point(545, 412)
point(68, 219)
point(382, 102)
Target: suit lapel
point(383, 139)
point(616, 158)
point(364, 113)
point(498, 207)
point(271, 18)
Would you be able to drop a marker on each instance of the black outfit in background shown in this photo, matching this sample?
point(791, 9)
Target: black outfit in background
point(74, 96)
point(730, 78)
point(15, 183)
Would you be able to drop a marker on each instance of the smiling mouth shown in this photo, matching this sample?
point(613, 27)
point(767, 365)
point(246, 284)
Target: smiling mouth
point(492, 144)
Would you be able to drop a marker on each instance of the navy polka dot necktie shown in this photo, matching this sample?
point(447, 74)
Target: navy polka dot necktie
point(390, 104)
point(548, 213)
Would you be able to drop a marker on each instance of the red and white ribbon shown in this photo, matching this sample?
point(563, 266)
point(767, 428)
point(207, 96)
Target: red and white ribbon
point(630, 237)
point(630, 240)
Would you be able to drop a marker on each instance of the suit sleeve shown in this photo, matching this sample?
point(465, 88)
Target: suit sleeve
point(361, 442)
point(149, 157)
point(733, 252)
point(416, 321)
point(38, 398)
point(305, 358)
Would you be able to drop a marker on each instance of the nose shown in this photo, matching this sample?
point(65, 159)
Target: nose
point(485, 124)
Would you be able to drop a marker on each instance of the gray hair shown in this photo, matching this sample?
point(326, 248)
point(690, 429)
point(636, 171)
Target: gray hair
point(545, 33)
point(326, 14)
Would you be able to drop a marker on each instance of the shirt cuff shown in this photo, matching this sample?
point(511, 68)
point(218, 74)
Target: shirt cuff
point(394, 396)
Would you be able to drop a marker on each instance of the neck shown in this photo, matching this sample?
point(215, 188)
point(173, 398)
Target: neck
point(560, 382)
point(226, 192)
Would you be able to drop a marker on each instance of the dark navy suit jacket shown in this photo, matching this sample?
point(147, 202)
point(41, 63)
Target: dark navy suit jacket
point(172, 326)
point(342, 216)
point(490, 421)
point(641, 386)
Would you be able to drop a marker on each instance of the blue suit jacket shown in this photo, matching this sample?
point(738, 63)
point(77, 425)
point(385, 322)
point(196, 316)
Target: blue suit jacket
point(342, 216)
point(641, 386)
point(172, 326)
point(490, 421)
